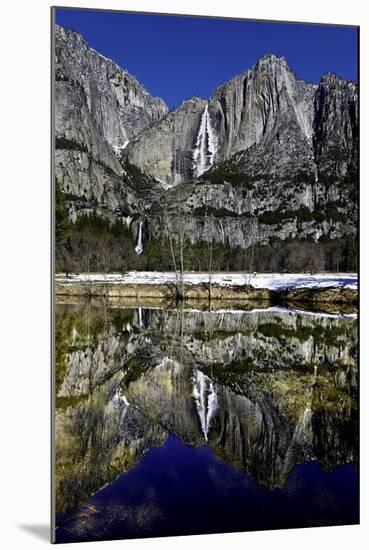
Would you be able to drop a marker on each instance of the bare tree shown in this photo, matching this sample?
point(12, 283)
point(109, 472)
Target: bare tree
point(303, 256)
point(105, 249)
point(209, 224)
point(64, 259)
point(87, 245)
point(176, 241)
point(249, 254)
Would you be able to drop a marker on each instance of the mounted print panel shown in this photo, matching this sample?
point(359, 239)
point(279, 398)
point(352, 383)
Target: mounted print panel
point(205, 200)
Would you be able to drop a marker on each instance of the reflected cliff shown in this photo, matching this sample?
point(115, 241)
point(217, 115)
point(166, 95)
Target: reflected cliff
point(250, 396)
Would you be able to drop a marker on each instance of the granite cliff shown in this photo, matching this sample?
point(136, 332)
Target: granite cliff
point(266, 157)
point(99, 107)
point(240, 113)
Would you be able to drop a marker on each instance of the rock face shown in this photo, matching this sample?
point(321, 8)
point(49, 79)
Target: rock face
point(243, 216)
point(241, 112)
point(99, 107)
point(119, 104)
point(248, 107)
point(167, 150)
point(267, 154)
point(336, 126)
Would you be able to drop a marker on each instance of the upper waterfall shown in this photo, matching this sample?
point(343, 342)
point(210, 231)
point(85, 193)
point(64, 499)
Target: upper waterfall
point(206, 145)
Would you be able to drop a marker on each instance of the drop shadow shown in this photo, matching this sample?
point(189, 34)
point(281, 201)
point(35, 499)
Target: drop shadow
point(40, 531)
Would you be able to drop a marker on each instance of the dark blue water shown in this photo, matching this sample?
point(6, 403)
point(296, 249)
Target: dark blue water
point(180, 490)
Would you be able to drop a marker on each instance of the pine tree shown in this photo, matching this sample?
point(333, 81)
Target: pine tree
point(350, 253)
point(61, 216)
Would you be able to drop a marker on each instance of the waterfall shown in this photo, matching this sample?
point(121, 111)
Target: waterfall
point(206, 145)
point(121, 402)
point(139, 245)
point(303, 426)
point(206, 400)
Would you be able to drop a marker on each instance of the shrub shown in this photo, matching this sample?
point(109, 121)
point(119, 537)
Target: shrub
point(69, 144)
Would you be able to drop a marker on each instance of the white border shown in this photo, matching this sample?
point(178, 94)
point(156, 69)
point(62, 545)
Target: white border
point(25, 272)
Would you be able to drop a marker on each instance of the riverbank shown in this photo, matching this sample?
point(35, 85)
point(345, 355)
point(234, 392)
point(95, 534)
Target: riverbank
point(325, 288)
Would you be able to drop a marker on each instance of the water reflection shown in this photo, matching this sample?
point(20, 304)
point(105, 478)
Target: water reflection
point(239, 410)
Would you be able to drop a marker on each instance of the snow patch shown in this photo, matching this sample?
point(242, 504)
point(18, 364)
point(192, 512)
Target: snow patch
point(167, 362)
point(271, 281)
point(119, 148)
point(164, 184)
point(103, 56)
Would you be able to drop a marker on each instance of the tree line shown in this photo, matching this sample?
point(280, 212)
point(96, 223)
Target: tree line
point(93, 244)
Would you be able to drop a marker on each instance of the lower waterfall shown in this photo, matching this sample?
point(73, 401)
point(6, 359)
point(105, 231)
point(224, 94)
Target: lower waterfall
point(139, 245)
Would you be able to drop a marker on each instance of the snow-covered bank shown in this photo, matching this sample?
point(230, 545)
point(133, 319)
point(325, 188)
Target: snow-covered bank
point(280, 309)
point(271, 281)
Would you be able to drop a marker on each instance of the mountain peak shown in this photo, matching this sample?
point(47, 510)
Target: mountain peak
point(334, 79)
point(271, 59)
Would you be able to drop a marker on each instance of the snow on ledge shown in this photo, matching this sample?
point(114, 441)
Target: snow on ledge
point(271, 281)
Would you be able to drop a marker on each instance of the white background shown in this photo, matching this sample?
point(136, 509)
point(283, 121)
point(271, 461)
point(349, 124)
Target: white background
point(25, 272)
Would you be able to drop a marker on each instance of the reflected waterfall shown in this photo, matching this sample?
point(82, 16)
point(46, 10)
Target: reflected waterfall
point(206, 400)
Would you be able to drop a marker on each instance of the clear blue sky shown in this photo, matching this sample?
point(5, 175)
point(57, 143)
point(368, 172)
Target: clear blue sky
point(178, 57)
